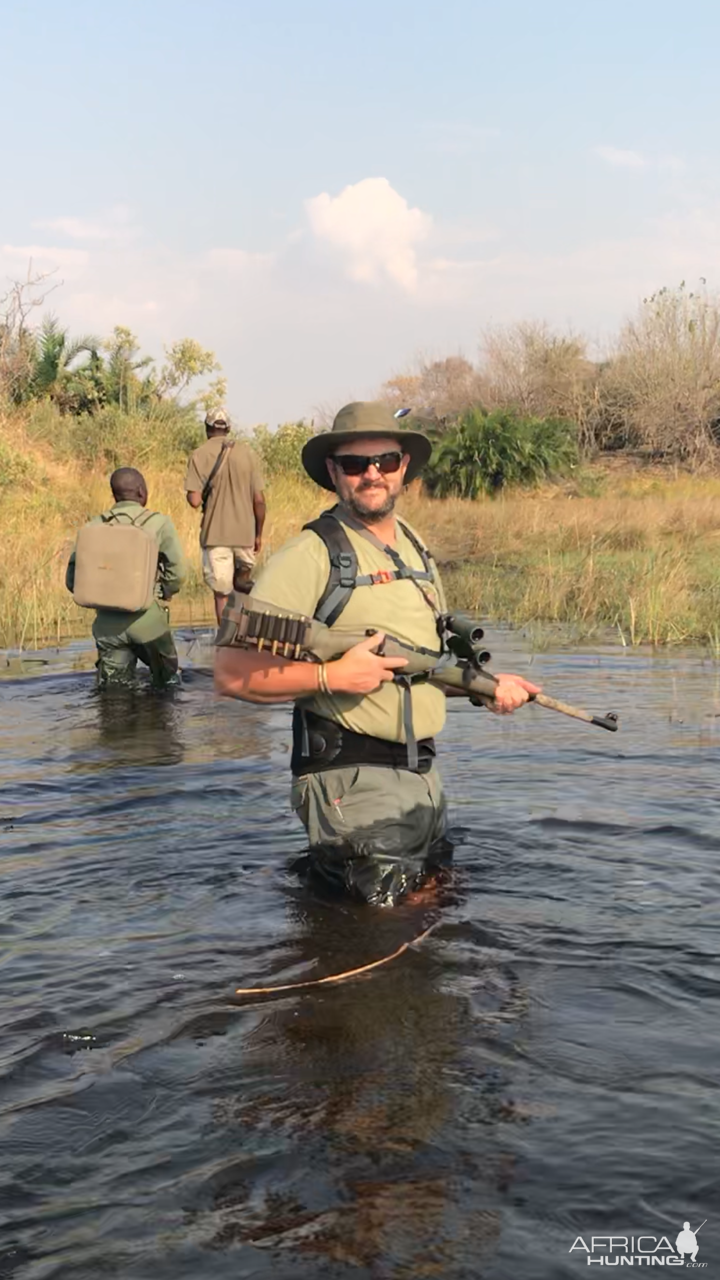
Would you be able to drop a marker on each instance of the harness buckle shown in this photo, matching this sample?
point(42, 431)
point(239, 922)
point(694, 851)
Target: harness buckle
point(383, 575)
point(346, 566)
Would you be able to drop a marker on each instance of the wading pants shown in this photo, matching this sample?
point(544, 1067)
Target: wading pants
point(374, 832)
point(122, 639)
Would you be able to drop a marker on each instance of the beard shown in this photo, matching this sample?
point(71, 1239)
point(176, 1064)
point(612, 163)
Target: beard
point(371, 515)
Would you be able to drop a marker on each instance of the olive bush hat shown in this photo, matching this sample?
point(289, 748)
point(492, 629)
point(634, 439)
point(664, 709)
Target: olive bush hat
point(363, 418)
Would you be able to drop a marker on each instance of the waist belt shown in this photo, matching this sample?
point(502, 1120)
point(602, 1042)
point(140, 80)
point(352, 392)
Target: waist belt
point(323, 744)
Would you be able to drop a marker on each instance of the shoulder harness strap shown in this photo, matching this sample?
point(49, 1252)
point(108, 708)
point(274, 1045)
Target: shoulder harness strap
point(421, 549)
point(344, 576)
point(223, 455)
point(343, 580)
point(139, 521)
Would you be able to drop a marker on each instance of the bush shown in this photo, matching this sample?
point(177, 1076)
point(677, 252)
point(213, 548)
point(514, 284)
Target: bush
point(529, 368)
point(14, 466)
point(161, 434)
point(660, 392)
point(487, 452)
point(279, 450)
point(440, 389)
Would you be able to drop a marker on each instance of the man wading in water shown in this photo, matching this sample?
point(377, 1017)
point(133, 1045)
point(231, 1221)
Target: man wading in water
point(224, 478)
point(376, 825)
point(123, 560)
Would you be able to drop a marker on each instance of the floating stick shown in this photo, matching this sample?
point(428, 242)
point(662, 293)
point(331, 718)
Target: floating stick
point(335, 977)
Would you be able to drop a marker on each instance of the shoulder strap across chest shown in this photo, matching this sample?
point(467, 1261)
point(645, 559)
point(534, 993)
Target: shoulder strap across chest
point(344, 576)
point(139, 521)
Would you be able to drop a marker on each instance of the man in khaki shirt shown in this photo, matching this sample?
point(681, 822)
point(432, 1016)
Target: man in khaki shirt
point(374, 809)
point(233, 507)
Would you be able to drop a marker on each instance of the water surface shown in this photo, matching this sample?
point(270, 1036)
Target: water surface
point(543, 1066)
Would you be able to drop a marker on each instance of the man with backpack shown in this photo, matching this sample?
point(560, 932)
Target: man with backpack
point(224, 479)
point(364, 783)
point(126, 562)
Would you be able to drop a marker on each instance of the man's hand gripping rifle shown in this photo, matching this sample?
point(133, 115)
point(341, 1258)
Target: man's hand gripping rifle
point(249, 623)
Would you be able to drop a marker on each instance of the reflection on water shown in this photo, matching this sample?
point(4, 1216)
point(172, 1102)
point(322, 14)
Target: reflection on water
point(543, 1066)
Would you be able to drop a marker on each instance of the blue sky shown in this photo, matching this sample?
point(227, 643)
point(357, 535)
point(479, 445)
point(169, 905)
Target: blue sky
point(323, 192)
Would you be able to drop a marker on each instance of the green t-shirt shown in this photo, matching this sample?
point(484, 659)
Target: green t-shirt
point(295, 579)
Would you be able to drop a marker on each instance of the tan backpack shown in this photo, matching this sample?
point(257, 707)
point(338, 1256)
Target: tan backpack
point(116, 564)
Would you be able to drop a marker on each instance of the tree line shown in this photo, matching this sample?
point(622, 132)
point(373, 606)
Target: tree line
point(535, 401)
point(83, 374)
point(533, 404)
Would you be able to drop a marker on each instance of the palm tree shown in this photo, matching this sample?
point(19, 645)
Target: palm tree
point(59, 373)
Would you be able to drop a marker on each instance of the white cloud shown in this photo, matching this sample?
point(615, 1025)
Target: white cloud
point(592, 287)
point(75, 228)
point(621, 159)
point(44, 257)
point(293, 331)
point(117, 224)
point(236, 261)
point(441, 265)
point(373, 227)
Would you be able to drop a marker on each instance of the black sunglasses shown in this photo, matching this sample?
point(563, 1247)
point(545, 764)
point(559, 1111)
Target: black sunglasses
point(355, 464)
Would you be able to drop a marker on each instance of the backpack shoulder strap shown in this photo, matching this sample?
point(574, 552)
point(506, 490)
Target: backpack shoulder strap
point(141, 520)
point(343, 576)
point(110, 517)
point(419, 546)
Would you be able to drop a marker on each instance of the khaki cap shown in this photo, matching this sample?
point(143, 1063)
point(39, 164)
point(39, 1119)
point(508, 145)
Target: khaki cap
point(217, 417)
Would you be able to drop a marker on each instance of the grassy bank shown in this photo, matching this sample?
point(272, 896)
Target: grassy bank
point(639, 555)
point(643, 562)
point(40, 512)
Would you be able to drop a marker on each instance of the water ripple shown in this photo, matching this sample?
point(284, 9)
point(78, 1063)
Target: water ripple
point(543, 1066)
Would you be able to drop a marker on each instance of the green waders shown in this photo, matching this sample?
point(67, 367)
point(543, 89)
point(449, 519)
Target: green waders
point(374, 832)
point(123, 638)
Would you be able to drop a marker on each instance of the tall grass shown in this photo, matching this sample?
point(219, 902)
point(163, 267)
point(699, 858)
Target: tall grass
point(641, 561)
point(44, 503)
